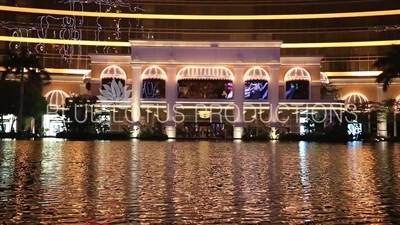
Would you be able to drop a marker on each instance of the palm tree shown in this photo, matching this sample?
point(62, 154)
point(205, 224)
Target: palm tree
point(27, 67)
point(329, 91)
point(390, 67)
point(388, 106)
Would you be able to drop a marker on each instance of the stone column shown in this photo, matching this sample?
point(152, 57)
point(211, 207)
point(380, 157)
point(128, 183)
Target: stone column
point(136, 95)
point(171, 95)
point(395, 122)
point(382, 117)
point(273, 98)
point(238, 98)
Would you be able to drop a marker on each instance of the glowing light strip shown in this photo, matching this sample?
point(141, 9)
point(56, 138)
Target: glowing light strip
point(329, 74)
point(127, 44)
point(68, 71)
point(353, 74)
point(200, 17)
point(65, 42)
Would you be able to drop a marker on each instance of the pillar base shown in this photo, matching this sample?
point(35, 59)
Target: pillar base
point(274, 133)
point(382, 132)
point(135, 129)
point(170, 131)
point(382, 126)
point(237, 132)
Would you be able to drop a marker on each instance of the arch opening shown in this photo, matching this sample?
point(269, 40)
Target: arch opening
point(52, 122)
point(201, 82)
point(111, 73)
point(356, 102)
point(297, 81)
point(87, 76)
point(56, 98)
point(256, 83)
point(153, 82)
point(323, 78)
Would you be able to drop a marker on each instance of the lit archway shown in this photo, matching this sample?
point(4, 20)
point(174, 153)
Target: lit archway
point(356, 101)
point(256, 73)
point(153, 82)
point(297, 82)
point(323, 78)
point(154, 72)
point(56, 97)
point(113, 72)
point(52, 122)
point(87, 76)
point(205, 82)
point(256, 83)
point(205, 73)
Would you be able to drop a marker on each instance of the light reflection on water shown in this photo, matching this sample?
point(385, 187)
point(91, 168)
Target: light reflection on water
point(56, 182)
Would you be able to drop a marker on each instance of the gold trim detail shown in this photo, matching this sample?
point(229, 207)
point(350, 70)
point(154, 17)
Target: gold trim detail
point(200, 17)
point(127, 44)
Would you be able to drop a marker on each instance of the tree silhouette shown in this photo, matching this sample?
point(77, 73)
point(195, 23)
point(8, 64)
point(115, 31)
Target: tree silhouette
point(390, 66)
point(27, 68)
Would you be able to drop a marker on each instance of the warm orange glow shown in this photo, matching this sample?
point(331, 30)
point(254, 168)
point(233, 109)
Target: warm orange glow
point(199, 17)
point(353, 73)
point(205, 73)
point(355, 97)
point(297, 73)
point(127, 44)
point(154, 72)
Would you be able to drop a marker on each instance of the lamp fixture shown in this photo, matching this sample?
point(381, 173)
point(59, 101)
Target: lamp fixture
point(204, 114)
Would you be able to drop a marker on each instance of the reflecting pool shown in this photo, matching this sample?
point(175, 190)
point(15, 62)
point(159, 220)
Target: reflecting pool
point(59, 182)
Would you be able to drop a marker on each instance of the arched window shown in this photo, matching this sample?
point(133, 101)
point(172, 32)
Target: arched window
point(111, 73)
point(256, 83)
point(153, 82)
point(357, 102)
point(202, 82)
point(56, 98)
point(87, 77)
point(297, 81)
point(324, 78)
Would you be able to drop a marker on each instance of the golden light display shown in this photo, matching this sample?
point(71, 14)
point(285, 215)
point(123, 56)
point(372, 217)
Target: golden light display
point(200, 17)
point(127, 44)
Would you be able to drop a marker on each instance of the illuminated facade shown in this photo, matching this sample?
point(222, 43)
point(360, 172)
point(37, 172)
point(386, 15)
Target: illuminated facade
point(356, 39)
point(347, 41)
point(218, 83)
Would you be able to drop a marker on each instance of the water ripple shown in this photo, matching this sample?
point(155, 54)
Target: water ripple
point(58, 182)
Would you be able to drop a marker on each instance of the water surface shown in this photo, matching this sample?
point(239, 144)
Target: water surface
point(58, 182)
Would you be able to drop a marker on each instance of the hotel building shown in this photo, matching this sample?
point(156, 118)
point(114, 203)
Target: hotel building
point(289, 41)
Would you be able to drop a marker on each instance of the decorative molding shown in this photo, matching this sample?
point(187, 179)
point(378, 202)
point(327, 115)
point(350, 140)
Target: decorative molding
point(301, 60)
point(206, 44)
point(113, 72)
point(256, 73)
point(205, 73)
point(297, 73)
point(222, 64)
point(110, 58)
point(154, 72)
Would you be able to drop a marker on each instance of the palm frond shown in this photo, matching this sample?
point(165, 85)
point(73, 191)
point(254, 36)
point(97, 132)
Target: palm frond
point(390, 66)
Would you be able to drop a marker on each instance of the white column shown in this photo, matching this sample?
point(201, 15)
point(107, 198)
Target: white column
point(395, 122)
point(136, 95)
point(273, 96)
point(171, 95)
point(382, 118)
point(238, 99)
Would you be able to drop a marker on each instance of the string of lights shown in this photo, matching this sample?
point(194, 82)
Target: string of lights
point(73, 27)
